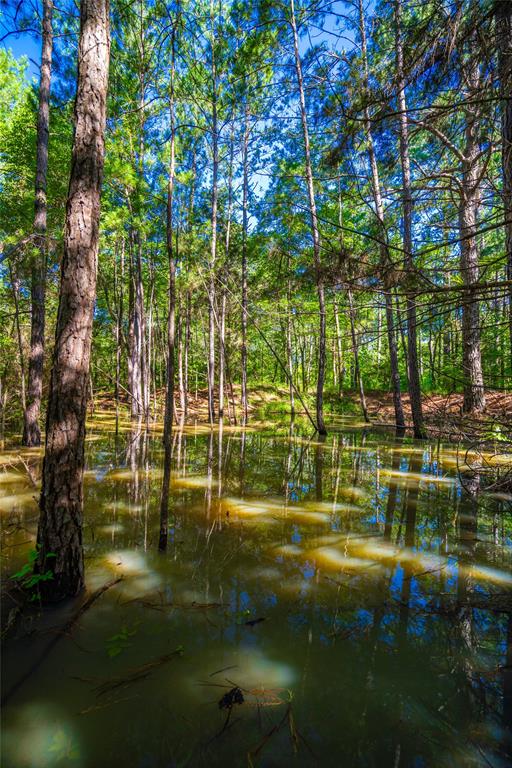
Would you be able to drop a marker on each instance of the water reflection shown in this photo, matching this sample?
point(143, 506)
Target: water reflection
point(356, 590)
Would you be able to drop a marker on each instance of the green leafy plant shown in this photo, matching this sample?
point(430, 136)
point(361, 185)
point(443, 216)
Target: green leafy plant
point(121, 641)
point(29, 580)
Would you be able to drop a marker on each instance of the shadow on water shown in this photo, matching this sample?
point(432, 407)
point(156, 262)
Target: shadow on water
point(343, 601)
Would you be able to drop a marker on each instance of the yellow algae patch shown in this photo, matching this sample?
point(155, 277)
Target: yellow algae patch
point(488, 574)
point(133, 564)
point(244, 508)
point(8, 478)
point(335, 559)
point(303, 516)
point(406, 450)
point(418, 477)
point(288, 550)
point(125, 475)
point(9, 458)
point(15, 501)
point(330, 506)
point(193, 482)
point(112, 528)
point(352, 492)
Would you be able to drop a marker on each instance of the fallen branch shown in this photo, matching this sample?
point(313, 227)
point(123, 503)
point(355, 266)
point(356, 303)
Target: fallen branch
point(62, 631)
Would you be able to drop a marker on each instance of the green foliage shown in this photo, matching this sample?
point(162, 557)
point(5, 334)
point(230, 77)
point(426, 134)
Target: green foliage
point(119, 642)
point(28, 579)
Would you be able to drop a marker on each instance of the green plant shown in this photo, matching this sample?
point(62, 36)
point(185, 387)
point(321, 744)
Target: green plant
point(28, 579)
point(121, 641)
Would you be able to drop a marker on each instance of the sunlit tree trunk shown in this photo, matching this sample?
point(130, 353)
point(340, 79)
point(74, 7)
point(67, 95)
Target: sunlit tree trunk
point(245, 204)
point(386, 263)
point(31, 430)
point(474, 397)
point(289, 341)
point(355, 352)
point(60, 525)
point(504, 40)
point(15, 284)
point(315, 232)
point(171, 320)
point(135, 327)
point(407, 208)
point(213, 251)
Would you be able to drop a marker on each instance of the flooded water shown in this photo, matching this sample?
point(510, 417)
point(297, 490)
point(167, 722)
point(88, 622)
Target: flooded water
point(337, 603)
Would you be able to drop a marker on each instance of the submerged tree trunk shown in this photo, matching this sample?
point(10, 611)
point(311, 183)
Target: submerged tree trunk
point(504, 40)
point(315, 232)
point(407, 207)
point(31, 430)
point(59, 535)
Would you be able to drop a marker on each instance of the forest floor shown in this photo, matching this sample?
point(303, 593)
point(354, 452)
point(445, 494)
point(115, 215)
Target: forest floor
point(442, 412)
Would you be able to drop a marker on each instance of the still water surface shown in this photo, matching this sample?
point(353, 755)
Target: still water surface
point(356, 591)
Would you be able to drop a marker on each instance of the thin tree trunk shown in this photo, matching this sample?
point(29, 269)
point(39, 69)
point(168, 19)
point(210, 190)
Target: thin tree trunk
point(213, 252)
point(289, 346)
point(169, 392)
point(187, 350)
point(59, 535)
point(407, 208)
point(339, 348)
point(386, 263)
point(31, 430)
point(15, 283)
point(355, 352)
point(474, 396)
point(245, 202)
point(315, 232)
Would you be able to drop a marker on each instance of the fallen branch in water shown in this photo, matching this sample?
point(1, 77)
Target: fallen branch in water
point(61, 632)
point(132, 675)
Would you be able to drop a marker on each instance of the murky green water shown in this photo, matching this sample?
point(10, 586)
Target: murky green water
point(351, 589)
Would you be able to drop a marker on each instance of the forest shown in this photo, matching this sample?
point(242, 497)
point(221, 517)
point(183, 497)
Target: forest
point(256, 382)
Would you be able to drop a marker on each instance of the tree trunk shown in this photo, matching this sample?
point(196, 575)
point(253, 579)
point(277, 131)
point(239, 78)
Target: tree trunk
point(31, 430)
point(15, 283)
point(504, 39)
point(407, 208)
point(474, 397)
point(135, 328)
point(60, 525)
point(171, 322)
point(213, 252)
point(315, 232)
point(245, 201)
point(357, 369)
point(386, 263)
point(289, 346)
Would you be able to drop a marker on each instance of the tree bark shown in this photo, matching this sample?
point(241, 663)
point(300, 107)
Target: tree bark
point(31, 430)
point(386, 263)
point(61, 504)
point(171, 323)
point(407, 207)
point(213, 252)
point(355, 352)
point(245, 203)
point(474, 397)
point(504, 40)
point(315, 232)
